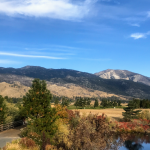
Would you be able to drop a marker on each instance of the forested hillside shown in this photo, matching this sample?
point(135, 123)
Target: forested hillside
point(68, 78)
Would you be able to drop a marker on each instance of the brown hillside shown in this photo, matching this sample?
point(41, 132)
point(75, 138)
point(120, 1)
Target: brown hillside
point(18, 90)
point(13, 90)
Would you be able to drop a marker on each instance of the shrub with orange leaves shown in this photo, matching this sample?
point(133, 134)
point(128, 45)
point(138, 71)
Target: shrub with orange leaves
point(71, 114)
point(62, 113)
point(50, 147)
point(26, 142)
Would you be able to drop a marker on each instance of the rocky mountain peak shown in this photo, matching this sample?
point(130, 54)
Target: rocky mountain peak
point(123, 74)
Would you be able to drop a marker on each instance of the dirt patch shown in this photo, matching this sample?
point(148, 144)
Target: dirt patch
point(11, 132)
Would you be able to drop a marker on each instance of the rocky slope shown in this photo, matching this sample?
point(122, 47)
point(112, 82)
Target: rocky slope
point(123, 74)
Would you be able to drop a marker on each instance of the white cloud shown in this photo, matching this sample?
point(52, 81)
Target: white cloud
point(4, 61)
point(28, 56)
point(60, 9)
point(139, 35)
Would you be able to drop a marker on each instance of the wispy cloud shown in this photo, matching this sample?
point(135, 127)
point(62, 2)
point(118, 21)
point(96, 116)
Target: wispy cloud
point(135, 18)
point(4, 61)
point(29, 56)
point(37, 49)
point(65, 47)
point(90, 59)
point(148, 14)
point(135, 24)
point(139, 35)
point(59, 9)
point(56, 49)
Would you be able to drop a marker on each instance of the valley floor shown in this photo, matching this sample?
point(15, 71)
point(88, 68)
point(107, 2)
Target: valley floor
point(110, 112)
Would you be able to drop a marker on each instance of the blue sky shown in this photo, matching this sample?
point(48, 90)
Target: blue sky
point(84, 35)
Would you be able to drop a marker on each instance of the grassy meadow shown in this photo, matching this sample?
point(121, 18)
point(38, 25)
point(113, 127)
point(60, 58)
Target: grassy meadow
point(114, 113)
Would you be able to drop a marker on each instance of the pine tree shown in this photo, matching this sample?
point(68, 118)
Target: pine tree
point(65, 102)
point(37, 106)
point(109, 104)
point(135, 102)
point(82, 102)
point(114, 103)
point(119, 102)
point(56, 101)
point(96, 103)
point(2, 110)
point(130, 112)
point(88, 101)
point(104, 103)
point(76, 103)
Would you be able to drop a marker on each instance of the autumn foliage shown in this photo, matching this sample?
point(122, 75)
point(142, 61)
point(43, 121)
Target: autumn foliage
point(62, 112)
point(136, 126)
point(2, 110)
point(27, 142)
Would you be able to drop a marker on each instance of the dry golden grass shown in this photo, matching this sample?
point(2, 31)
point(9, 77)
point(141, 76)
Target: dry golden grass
point(52, 105)
point(71, 90)
point(11, 91)
point(18, 147)
point(14, 145)
point(124, 104)
point(110, 112)
point(68, 90)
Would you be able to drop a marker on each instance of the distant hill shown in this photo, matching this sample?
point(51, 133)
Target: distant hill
point(43, 73)
point(123, 74)
point(74, 82)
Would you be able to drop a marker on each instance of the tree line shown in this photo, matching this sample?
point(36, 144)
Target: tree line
point(106, 103)
point(13, 99)
point(137, 103)
point(82, 102)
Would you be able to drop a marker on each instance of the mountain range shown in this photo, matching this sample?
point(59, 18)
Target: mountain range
point(67, 82)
